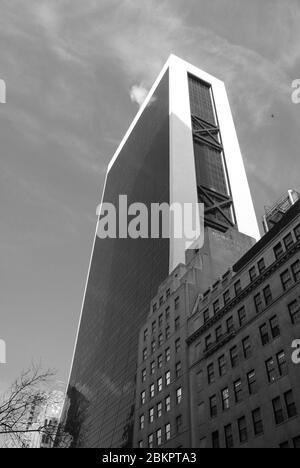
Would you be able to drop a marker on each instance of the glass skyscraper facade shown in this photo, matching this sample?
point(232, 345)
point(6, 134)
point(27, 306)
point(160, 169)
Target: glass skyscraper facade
point(173, 152)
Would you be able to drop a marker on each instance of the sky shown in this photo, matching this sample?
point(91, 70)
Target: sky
point(76, 72)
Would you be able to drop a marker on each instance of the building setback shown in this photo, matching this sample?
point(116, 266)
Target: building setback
point(244, 387)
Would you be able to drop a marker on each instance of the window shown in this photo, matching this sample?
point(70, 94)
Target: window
point(152, 391)
point(261, 266)
point(168, 404)
point(288, 241)
point(225, 399)
point(150, 441)
point(229, 436)
point(151, 415)
point(206, 316)
point(160, 361)
point(215, 440)
point(271, 370)
point(146, 334)
point(213, 403)
point(168, 431)
point(159, 437)
point(234, 357)
point(159, 384)
point(268, 295)
point(199, 380)
point(168, 293)
point(177, 302)
point(208, 341)
point(278, 411)
point(294, 310)
point(143, 398)
point(140, 444)
point(167, 314)
point(154, 308)
point(159, 410)
point(237, 287)
point(142, 422)
point(252, 274)
point(178, 369)
point(286, 280)
point(168, 333)
point(296, 271)
point(243, 432)
point(247, 348)
point(230, 325)
point(179, 395)
point(168, 378)
point(145, 354)
point(218, 333)
point(264, 334)
point(251, 377)
point(297, 232)
point(144, 375)
point(238, 391)
point(290, 404)
point(258, 303)
point(160, 340)
point(257, 422)
point(211, 374)
point(278, 251)
point(168, 354)
point(222, 365)
point(275, 329)
point(242, 316)
point(161, 301)
point(160, 320)
point(216, 306)
point(178, 345)
point(153, 347)
point(178, 423)
point(177, 324)
point(153, 328)
point(282, 363)
point(226, 297)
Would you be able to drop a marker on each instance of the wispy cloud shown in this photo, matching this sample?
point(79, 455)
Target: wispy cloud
point(138, 94)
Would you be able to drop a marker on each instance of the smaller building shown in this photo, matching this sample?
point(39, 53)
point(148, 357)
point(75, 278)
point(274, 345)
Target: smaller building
point(243, 385)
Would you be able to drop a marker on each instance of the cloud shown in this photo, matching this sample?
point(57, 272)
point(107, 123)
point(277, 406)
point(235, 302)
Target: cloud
point(138, 94)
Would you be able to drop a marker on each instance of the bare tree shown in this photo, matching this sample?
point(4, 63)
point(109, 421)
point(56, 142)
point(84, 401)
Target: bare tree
point(26, 396)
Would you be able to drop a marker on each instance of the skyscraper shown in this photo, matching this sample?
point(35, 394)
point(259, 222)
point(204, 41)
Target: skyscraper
point(181, 147)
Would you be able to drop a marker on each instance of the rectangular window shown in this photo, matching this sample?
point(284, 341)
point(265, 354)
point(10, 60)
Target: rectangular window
point(168, 293)
point(177, 323)
point(216, 306)
point(159, 410)
point(234, 357)
point(243, 432)
point(153, 328)
point(211, 374)
point(257, 422)
point(168, 378)
point(177, 303)
point(208, 341)
point(206, 316)
point(230, 325)
point(160, 339)
point(288, 241)
point(144, 375)
point(153, 347)
point(168, 404)
point(252, 274)
point(261, 266)
point(178, 423)
point(168, 354)
point(178, 345)
point(154, 308)
point(282, 364)
point(294, 311)
point(150, 441)
point(247, 348)
point(145, 354)
point(159, 361)
point(179, 395)
point(268, 295)
point(278, 251)
point(215, 440)
point(161, 301)
point(167, 314)
point(275, 328)
point(142, 422)
point(278, 411)
point(160, 321)
point(242, 316)
point(146, 334)
point(143, 398)
point(168, 431)
point(225, 399)
point(168, 333)
point(271, 370)
point(213, 406)
point(226, 297)
point(178, 369)
point(290, 404)
point(286, 280)
point(229, 437)
point(251, 377)
point(238, 287)
point(222, 365)
point(238, 391)
point(264, 334)
point(258, 303)
point(218, 333)
point(140, 444)
point(160, 385)
point(296, 271)
point(151, 415)
point(297, 232)
point(152, 391)
point(159, 437)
